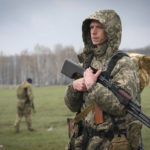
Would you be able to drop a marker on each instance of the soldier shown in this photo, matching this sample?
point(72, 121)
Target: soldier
point(25, 104)
point(109, 130)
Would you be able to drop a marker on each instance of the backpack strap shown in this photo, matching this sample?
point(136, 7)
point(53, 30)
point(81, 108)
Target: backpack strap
point(87, 63)
point(112, 62)
point(107, 74)
point(82, 114)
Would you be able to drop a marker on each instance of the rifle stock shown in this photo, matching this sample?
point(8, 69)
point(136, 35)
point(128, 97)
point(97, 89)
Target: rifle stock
point(71, 69)
point(28, 99)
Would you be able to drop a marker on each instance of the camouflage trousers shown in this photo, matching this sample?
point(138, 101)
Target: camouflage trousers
point(23, 113)
point(95, 143)
point(123, 140)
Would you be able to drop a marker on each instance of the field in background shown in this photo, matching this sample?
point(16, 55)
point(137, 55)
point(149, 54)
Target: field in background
point(49, 120)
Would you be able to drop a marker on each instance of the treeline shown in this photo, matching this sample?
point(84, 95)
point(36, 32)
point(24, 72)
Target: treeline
point(43, 65)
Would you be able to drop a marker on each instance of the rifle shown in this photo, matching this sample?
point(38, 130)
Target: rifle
point(27, 97)
point(71, 70)
point(28, 100)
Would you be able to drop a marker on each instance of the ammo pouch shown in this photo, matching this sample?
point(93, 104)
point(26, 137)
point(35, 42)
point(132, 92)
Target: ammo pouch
point(119, 143)
point(134, 134)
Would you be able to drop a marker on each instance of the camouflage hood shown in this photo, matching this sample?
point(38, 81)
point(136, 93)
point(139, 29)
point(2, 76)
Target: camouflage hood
point(112, 26)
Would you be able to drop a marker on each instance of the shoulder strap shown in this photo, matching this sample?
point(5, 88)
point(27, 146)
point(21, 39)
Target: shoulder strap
point(112, 62)
point(87, 63)
point(81, 115)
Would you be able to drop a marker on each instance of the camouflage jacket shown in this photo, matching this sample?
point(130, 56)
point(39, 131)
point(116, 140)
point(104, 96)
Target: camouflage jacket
point(22, 95)
point(124, 74)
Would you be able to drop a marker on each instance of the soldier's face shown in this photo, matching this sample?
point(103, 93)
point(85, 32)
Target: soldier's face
point(98, 34)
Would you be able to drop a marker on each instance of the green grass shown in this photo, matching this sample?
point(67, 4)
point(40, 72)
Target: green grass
point(50, 112)
point(146, 108)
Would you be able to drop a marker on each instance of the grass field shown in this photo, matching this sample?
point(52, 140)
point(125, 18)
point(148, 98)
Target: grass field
point(51, 112)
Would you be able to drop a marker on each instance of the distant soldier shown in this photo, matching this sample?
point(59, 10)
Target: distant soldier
point(25, 104)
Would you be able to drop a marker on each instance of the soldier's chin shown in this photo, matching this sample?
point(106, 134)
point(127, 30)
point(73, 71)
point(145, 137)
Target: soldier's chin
point(99, 42)
point(96, 43)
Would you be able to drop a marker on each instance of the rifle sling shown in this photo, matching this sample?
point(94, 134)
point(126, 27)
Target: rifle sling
point(81, 115)
point(112, 62)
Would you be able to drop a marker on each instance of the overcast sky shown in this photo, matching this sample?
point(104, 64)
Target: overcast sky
point(25, 23)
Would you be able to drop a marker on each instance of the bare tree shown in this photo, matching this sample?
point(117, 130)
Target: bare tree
point(43, 65)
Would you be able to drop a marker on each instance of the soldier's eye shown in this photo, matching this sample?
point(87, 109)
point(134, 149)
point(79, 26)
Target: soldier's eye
point(91, 27)
point(100, 27)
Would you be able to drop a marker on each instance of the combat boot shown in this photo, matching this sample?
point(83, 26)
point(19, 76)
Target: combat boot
point(31, 129)
point(17, 130)
point(29, 126)
point(17, 126)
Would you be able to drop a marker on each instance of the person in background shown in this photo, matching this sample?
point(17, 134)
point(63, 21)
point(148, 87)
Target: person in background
point(25, 104)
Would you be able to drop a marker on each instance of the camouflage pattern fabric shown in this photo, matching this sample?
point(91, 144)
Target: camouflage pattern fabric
point(124, 74)
point(143, 66)
point(24, 107)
